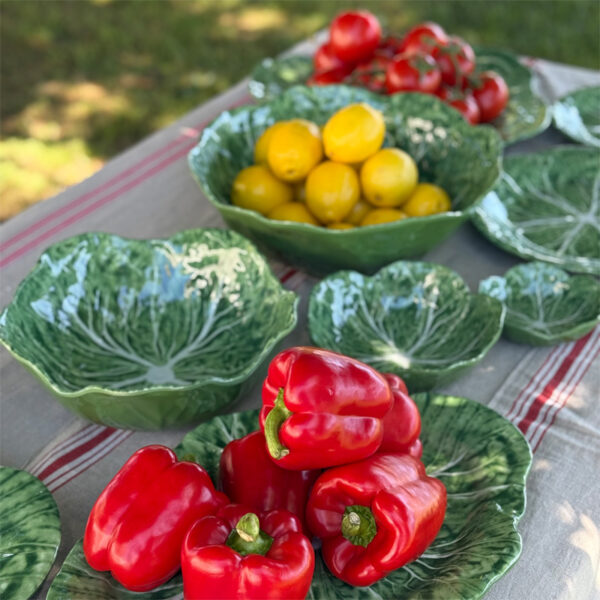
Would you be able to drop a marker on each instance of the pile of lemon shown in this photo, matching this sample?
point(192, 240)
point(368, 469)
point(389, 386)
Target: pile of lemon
point(339, 177)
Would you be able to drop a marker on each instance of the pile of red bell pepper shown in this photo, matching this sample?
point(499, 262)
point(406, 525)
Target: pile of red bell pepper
point(337, 458)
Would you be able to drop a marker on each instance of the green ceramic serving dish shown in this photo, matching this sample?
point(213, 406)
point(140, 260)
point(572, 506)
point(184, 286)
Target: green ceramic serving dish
point(525, 116)
point(577, 115)
point(147, 333)
point(416, 319)
point(546, 206)
point(482, 459)
point(544, 304)
point(462, 159)
point(29, 533)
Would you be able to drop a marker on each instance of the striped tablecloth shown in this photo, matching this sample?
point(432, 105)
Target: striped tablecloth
point(551, 394)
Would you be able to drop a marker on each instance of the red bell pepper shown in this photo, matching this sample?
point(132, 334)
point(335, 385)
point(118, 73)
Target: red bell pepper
point(137, 525)
point(239, 554)
point(402, 425)
point(322, 409)
point(374, 516)
point(248, 476)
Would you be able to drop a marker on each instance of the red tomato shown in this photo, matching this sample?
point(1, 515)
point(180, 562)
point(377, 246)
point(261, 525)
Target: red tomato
point(337, 75)
point(456, 60)
point(371, 74)
point(413, 72)
point(325, 59)
point(424, 38)
point(354, 36)
point(463, 102)
point(491, 94)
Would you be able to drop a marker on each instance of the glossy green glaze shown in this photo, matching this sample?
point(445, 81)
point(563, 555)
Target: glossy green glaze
point(525, 116)
point(29, 533)
point(462, 159)
point(546, 206)
point(544, 305)
point(577, 115)
point(418, 320)
point(482, 459)
point(147, 333)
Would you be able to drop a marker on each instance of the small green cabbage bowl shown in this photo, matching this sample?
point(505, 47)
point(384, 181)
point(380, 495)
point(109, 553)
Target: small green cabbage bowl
point(462, 159)
point(146, 334)
point(415, 319)
point(544, 304)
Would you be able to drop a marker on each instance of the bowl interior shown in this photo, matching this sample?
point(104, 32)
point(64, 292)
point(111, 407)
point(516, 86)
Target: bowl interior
point(410, 318)
point(127, 315)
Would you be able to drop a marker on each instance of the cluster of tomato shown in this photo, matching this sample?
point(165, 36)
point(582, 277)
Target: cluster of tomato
point(339, 177)
point(425, 60)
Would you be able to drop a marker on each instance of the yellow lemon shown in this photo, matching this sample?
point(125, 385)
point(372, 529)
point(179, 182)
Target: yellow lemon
point(382, 215)
point(389, 177)
point(293, 211)
point(256, 188)
point(332, 189)
point(358, 212)
point(294, 149)
point(340, 226)
point(262, 143)
point(353, 133)
point(427, 199)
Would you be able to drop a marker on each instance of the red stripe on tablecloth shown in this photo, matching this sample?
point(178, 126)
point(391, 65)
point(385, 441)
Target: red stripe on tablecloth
point(542, 398)
point(76, 452)
point(75, 203)
point(530, 385)
point(91, 194)
point(94, 206)
point(287, 275)
point(544, 425)
point(90, 461)
point(42, 460)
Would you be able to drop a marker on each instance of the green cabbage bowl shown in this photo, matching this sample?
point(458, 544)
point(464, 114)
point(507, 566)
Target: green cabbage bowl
point(415, 319)
point(146, 334)
point(462, 159)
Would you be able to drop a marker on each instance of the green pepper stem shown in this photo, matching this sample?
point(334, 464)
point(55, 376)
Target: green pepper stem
point(278, 414)
point(247, 537)
point(358, 525)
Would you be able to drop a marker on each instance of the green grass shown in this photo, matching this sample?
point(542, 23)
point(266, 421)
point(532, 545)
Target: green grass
point(88, 79)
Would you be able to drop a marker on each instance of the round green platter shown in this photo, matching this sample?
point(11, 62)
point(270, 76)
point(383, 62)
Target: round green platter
point(416, 319)
point(546, 207)
point(29, 533)
point(525, 116)
point(544, 304)
point(463, 160)
point(146, 334)
point(482, 459)
point(577, 115)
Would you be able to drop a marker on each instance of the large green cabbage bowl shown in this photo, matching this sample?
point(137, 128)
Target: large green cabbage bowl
point(462, 159)
point(147, 333)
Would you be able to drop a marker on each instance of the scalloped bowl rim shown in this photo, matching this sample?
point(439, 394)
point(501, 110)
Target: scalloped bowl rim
point(452, 366)
point(322, 230)
point(156, 389)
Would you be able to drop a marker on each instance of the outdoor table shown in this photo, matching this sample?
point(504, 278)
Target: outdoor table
point(550, 393)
